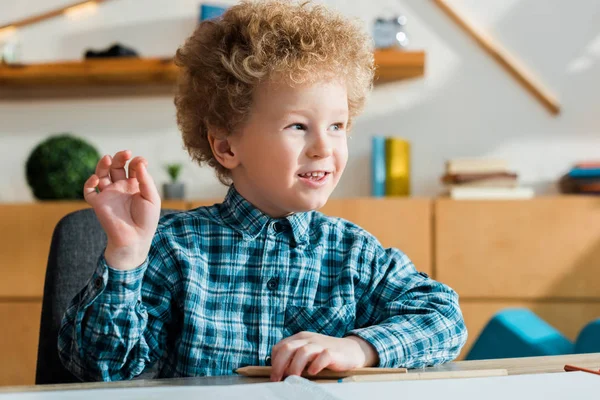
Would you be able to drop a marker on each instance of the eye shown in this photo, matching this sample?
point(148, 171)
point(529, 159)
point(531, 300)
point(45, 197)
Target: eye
point(298, 127)
point(338, 126)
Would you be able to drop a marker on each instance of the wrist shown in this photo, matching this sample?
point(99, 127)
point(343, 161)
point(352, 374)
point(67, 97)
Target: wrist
point(371, 357)
point(125, 258)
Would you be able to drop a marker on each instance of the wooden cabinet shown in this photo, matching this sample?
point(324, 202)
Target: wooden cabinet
point(543, 254)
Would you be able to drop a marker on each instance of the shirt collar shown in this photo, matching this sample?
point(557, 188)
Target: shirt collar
point(241, 215)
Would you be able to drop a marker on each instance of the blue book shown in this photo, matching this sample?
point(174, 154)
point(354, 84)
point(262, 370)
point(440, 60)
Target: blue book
point(585, 173)
point(210, 11)
point(378, 166)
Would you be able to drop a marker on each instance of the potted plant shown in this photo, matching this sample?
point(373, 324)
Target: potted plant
point(173, 190)
point(58, 167)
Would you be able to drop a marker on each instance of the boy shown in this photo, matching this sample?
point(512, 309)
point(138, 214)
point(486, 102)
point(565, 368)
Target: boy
point(267, 95)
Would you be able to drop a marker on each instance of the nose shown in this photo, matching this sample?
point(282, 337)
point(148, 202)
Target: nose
point(320, 145)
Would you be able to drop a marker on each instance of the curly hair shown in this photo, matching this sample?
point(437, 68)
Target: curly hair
point(224, 60)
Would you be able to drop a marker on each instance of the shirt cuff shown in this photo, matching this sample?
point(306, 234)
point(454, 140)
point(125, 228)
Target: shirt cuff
point(391, 353)
point(112, 286)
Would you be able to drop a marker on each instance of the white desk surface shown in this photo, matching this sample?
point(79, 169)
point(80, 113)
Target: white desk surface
point(535, 370)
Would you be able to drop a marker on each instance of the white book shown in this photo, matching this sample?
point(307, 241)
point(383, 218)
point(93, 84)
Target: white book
point(471, 193)
point(486, 183)
point(476, 165)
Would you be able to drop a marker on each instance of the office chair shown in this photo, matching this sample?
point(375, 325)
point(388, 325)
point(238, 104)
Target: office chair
point(77, 242)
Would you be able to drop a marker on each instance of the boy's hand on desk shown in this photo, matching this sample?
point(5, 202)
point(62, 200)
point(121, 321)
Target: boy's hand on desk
point(128, 208)
point(315, 352)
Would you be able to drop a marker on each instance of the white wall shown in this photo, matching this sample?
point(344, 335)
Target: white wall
point(466, 105)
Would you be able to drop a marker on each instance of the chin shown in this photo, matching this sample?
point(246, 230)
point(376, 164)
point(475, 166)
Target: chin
point(311, 204)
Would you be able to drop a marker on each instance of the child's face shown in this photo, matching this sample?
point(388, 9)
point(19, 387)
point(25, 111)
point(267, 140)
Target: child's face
point(292, 150)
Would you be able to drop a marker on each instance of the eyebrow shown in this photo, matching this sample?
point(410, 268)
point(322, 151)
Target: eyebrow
point(336, 111)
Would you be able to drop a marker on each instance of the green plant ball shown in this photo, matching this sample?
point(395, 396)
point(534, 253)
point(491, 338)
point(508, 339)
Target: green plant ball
point(59, 166)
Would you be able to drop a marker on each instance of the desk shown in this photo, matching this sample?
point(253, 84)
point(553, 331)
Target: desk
point(514, 366)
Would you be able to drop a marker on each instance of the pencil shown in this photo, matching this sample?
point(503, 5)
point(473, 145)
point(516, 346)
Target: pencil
point(426, 375)
point(575, 368)
point(262, 372)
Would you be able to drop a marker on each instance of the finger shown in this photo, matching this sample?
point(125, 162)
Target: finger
point(89, 189)
point(282, 358)
point(147, 187)
point(302, 357)
point(289, 339)
point(321, 362)
point(117, 168)
point(102, 172)
point(133, 164)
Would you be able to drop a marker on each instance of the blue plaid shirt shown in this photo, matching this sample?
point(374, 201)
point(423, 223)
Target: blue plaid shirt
point(223, 284)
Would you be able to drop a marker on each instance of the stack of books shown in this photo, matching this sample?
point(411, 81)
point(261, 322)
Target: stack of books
point(482, 178)
point(583, 178)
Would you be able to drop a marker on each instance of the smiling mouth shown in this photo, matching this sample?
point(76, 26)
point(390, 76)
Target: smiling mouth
point(314, 176)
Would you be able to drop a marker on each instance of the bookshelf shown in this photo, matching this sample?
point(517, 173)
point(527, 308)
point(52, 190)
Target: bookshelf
point(127, 73)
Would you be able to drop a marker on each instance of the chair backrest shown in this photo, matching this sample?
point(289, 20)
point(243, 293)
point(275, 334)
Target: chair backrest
point(77, 243)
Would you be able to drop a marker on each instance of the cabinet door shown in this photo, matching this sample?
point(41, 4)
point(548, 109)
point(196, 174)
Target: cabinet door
point(25, 242)
point(20, 322)
point(547, 247)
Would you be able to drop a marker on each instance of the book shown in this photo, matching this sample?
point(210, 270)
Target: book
point(588, 164)
point(504, 179)
point(568, 184)
point(469, 193)
point(487, 183)
point(397, 160)
point(475, 165)
point(585, 173)
point(378, 174)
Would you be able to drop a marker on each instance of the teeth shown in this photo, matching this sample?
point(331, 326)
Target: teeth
point(313, 174)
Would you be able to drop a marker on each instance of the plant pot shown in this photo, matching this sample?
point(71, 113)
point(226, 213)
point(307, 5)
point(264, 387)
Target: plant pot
point(173, 191)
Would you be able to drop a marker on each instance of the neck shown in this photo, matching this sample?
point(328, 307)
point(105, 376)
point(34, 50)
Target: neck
point(258, 201)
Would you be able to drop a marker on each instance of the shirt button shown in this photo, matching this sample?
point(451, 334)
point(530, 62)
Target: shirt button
point(268, 361)
point(278, 227)
point(423, 274)
point(273, 283)
point(98, 282)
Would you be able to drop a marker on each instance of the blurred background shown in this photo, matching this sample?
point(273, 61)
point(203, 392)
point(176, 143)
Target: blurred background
point(464, 105)
point(478, 153)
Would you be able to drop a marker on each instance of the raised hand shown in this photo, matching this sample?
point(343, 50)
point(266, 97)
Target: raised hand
point(128, 208)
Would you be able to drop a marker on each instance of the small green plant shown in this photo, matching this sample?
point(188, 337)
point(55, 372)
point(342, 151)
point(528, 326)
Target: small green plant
point(58, 167)
point(174, 170)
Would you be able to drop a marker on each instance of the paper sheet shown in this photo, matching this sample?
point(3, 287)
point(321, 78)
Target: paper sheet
point(293, 388)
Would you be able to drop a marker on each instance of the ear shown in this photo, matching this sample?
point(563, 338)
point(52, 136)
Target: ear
point(222, 150)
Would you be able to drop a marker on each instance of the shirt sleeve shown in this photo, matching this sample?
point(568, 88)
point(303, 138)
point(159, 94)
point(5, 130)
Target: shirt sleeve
point(411, 320)
point(117, 325)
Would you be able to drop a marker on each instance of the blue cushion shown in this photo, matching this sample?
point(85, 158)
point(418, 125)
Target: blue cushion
point(518, 332)
point(588, 340)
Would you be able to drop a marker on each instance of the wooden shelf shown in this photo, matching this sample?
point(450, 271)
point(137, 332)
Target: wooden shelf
point(394, 65)
point(131, 72)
